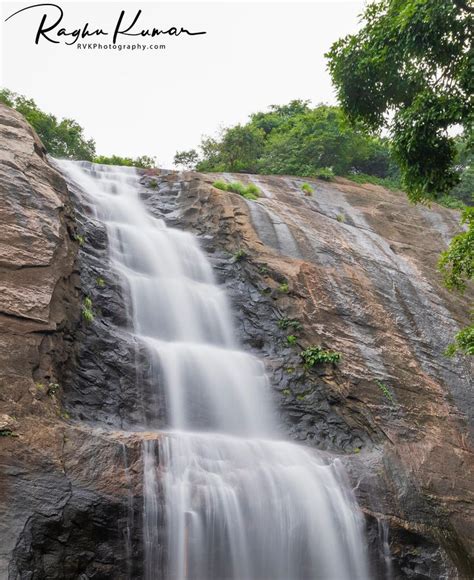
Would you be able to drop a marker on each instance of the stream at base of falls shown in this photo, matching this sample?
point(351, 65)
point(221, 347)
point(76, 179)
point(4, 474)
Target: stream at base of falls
point(236, 501)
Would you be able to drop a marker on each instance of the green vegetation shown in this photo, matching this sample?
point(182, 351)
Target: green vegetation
point(324, 173)
point(291, 339)
point(457, 262)
point(463, 341)
point(341, 217)
point(307, 189)
point(250, 191)
point(385, 390)
point(392, 183)
point(64, 138)
point(153, 183)
point(186, 159)
point(80, 239)
point(285, 323)
point(315, 355)
point(239, 255)
point(419, 88)
point(100, 282)
point(284, 288)
point(457, 267)
point(286, 392)
point(144, 161)
point(296, 139)
point(87, 311)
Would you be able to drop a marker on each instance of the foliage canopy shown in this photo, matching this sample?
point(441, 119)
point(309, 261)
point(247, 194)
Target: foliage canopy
point(410, 69)
point(296, 139)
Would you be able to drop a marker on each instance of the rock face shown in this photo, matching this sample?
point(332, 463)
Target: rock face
point(65, 494)
point(350, 268)
point(356, 268)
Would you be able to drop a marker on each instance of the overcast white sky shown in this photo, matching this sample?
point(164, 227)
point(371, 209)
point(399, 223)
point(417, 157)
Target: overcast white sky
point(155, 102)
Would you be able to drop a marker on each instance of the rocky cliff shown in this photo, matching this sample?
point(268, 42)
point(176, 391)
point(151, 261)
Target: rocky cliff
point(350, 268)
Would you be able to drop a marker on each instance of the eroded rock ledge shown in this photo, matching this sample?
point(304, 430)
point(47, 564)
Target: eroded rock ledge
point(354, 265)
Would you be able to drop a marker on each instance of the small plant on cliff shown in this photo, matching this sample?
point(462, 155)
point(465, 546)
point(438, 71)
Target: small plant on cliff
point(100, 282)
point(315, 355)
point(153, 183)
point(219, 184)
point(341, 217)
point(80, 239)
point(239, 255)
point(285, 323)
point(284, 288)
point(87, 312)
point(383, 387)
point(291, 339)
point(307, 189)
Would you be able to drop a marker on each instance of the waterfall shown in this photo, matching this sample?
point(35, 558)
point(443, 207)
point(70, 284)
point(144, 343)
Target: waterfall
point(236, 501)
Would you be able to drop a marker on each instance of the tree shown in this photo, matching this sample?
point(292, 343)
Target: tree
point(408, 69)
point(145, 162)
point(241, 147)
point(296, 139)
point(186, 159)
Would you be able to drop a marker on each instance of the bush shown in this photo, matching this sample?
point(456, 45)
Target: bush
point(392, 183)
point(285, 323)
point(291, 339)
point(324, 173)
point(307, 189)
point(87, 311)
point(451, 202)
point(219, 184)
point(250, 191)
point(239, 255)
point(315, 355)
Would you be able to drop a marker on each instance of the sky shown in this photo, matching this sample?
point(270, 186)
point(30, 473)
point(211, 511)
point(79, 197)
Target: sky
point(157, 101)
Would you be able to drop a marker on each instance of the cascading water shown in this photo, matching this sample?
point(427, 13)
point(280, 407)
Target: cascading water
point(236, 501)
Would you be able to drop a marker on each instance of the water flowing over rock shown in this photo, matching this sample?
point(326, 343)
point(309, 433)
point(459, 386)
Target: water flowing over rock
point(120, 449)
point(218, 522)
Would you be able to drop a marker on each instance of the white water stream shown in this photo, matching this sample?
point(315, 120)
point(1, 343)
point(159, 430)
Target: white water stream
point(236, 501)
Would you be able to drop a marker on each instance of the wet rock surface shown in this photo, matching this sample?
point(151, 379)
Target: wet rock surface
point(351, 269)
point(355, 268)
